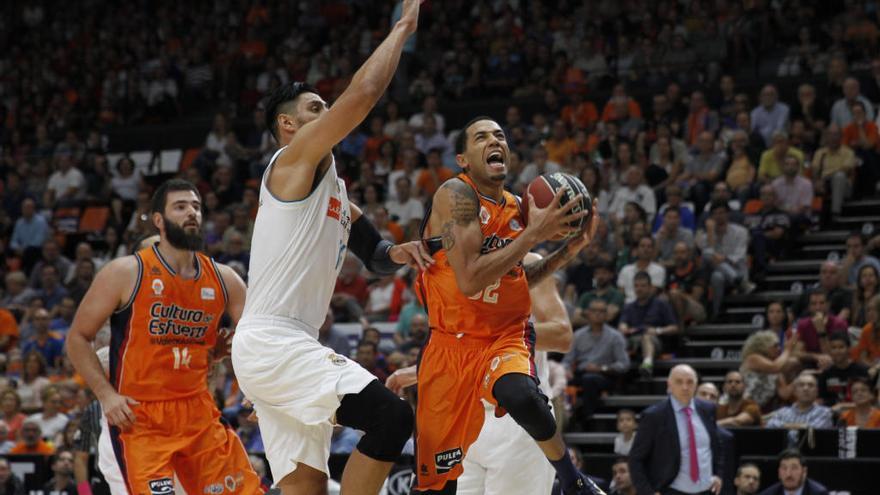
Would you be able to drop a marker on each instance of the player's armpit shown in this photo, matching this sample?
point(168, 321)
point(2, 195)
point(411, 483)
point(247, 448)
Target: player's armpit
point(112, 288)
point(235, 291)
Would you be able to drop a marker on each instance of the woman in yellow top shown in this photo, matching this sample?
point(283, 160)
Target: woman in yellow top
point(863, 414)
point(772, 159)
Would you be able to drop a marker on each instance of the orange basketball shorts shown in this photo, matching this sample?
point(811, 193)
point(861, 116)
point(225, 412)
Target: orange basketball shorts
point(183, 436)
point(454, 376)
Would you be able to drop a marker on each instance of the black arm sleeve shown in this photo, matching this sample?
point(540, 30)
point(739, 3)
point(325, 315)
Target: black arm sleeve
point(366, 243)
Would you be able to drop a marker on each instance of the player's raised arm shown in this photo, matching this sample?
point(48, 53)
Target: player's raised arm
point(552, 326)
point(538, 270)
point(112, 288)
point(313, 139)
point(456, 211)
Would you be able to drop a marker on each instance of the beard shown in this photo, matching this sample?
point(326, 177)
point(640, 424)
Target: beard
point(179, 238)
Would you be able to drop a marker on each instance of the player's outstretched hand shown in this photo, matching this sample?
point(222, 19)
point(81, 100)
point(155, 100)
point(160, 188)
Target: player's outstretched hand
point(410, 15)
point(223, 347)
point(252, 417)
point(554, 219)
point(402, 378)
point(589, 231)
point(116, 408)
point(413, 254)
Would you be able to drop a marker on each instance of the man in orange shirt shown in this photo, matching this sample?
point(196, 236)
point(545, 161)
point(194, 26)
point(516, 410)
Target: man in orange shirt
point(861, 133)
point(31, 442)
point(431, 178)
point(8, 330)
point(580, 114)
point(477, 295)
point(165, 304)
point(559, 147)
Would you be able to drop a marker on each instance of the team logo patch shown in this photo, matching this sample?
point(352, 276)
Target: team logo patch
point(158, 286)
point(446, 460)
point(207, 293)
point(337, 359)
point(495, 362)
point(161, 486)
point(232, 482)
point(514, 225)
point(334, 208)
point(214, 489)
point(484, 215)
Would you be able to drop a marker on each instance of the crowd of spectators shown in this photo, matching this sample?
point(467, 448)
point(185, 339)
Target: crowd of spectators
point(702, 180)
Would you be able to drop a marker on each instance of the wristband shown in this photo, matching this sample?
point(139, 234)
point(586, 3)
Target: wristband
point(367, 244)
point(381, 262)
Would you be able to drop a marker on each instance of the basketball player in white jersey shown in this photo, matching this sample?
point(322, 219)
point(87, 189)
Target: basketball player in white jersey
point(505, 459)
point(304, 226)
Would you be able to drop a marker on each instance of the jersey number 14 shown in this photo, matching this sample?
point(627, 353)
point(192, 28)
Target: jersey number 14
point(181, 357)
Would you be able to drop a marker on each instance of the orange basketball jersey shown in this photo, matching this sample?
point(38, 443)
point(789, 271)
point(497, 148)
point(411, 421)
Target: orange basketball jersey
point(161, 339)
point(500, 308)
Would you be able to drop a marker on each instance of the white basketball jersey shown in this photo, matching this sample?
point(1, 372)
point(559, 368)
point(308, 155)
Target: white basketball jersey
point(542, 368)
point(297, 251)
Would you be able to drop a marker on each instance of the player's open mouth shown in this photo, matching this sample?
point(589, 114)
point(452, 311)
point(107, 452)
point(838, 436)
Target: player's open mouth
point(495, 161)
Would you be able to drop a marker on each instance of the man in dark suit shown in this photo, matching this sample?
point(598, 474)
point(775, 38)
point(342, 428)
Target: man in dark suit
point(793, 477)
point(677, 450)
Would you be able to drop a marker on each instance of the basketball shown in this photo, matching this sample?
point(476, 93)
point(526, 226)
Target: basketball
point(544, 187)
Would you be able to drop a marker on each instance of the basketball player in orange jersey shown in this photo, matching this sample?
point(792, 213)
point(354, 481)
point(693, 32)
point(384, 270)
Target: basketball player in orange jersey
point(165, 304)
point(477, 296)
point(504, 459)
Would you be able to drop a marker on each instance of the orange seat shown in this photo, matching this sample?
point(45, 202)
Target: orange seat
point(753, 206)
point(94, 219)
point(189, 156)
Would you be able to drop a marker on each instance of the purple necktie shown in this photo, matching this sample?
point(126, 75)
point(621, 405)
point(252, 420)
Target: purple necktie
point(692, 444)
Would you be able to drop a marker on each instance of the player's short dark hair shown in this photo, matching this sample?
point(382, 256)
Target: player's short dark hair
point(369, 344)
point(792, 454)
point(605, 265)
point(627, 411)
point(863, 380)
point(719, 204)
point(160, 196)
point(461, 139)
point(642, 276)
point(747, 465)
point(621, 460)
point(282, 95)
point(842, 337)
point(855, 234)
point(816, 292)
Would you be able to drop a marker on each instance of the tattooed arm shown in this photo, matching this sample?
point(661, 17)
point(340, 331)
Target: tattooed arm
point(537, 271)
point(455, 215)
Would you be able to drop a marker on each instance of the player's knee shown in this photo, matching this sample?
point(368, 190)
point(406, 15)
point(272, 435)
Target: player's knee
point(520, 397)
point(399, 423)
point(391, 426)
